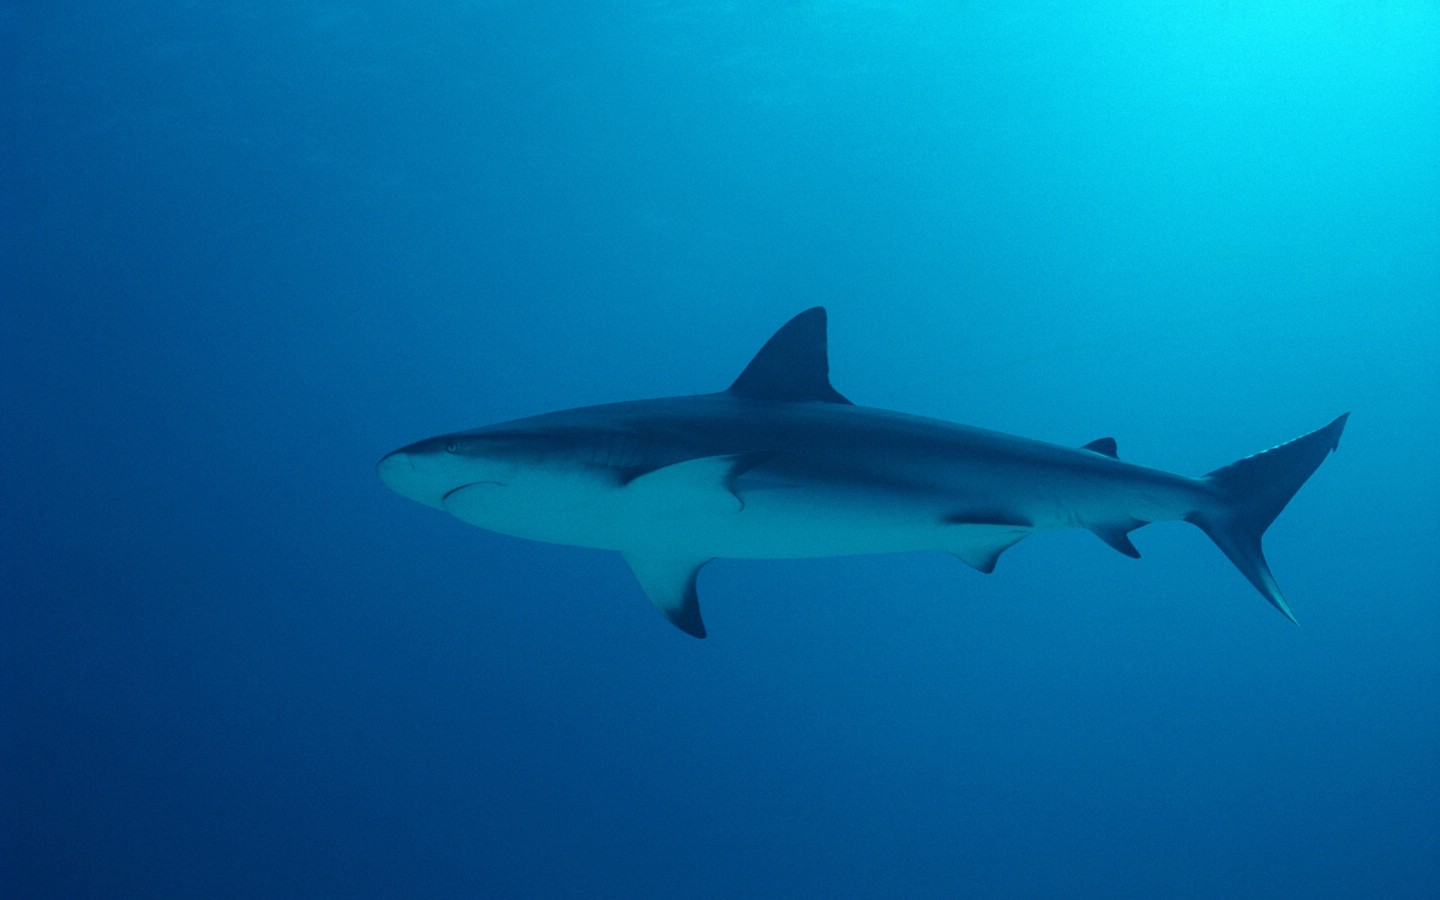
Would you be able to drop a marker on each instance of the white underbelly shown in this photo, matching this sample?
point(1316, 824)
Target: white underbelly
point(701, 520)
point(777, 524)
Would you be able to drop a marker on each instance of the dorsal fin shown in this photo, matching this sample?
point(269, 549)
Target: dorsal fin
point(793, 366)
point(1105, 446)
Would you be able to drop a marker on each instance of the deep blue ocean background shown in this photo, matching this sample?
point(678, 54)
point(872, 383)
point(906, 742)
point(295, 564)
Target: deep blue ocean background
point(246, 249)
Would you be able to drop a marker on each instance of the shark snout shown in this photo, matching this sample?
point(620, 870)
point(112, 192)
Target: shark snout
point(412, 476)
point(425, 471)
point(393, 470)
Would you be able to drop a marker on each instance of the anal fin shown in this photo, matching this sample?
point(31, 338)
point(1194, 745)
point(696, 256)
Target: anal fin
point(1117, 535)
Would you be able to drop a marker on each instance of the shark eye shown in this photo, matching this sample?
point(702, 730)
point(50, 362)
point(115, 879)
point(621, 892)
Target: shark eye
point(452, 447)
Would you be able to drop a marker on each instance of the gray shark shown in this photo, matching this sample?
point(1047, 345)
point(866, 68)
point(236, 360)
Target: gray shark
point(780, 465)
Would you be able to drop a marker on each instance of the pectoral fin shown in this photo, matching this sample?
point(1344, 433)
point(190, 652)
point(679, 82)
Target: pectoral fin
point(670, 585)
point(705, 483)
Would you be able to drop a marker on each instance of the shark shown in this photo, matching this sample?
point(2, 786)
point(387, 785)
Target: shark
point(781, 465)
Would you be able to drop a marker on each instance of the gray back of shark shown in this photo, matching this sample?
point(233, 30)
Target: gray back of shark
point(780, 465)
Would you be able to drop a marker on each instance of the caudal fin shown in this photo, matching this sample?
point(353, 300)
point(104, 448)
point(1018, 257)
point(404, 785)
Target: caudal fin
point(1249, 494)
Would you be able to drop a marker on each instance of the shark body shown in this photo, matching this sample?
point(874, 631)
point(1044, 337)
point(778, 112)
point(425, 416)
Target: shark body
point(781, 465)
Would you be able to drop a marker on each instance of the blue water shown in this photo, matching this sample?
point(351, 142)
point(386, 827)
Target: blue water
point(246, 249)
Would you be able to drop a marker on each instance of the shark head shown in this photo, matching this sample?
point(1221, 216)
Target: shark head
point(436, 470)
point(539, 478)
point(429, 470)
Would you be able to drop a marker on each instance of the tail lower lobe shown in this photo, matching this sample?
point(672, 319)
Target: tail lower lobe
point(1249, 495)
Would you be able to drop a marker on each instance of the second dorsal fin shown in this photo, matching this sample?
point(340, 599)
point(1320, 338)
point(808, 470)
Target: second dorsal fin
point(1103, 446)
point(793, 366)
